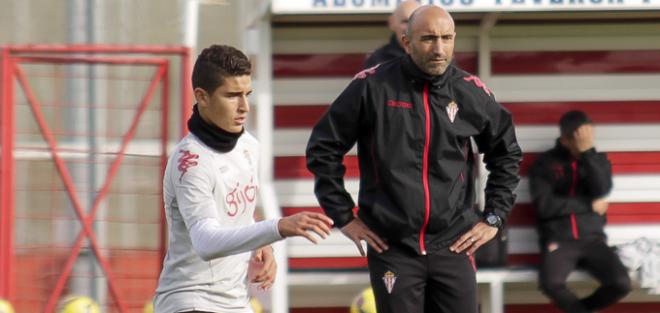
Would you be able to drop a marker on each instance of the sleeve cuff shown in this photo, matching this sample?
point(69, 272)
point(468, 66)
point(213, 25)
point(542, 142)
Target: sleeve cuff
point(275, 229)
point(589, 152)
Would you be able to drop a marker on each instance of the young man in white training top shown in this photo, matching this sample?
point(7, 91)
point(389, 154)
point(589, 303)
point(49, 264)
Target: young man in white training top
point(210, 190)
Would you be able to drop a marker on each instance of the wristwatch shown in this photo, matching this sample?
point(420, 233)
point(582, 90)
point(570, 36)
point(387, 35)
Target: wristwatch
point(493, 220)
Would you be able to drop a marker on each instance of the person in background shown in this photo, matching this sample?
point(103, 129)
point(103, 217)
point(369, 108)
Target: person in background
point(569, 184)
point(210, 187)
point(398, 23)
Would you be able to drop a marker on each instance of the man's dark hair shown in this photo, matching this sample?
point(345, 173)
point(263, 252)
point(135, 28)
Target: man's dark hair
point(217, 62)
point(571, 121)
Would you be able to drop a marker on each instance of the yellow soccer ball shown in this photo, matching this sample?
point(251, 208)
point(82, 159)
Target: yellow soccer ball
point(5, 307)
point(78, 304)
point(365, 302)
point(148, 307)
point(256, 306)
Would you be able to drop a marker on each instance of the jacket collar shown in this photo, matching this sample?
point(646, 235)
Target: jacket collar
point(562, 151)
point(213, 136)
point(394, 46)
point(418, 76)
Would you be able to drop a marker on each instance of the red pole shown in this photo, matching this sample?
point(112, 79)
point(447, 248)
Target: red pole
point(164, 98)
point(186, 93)
point(4, 224)
point(7, 178)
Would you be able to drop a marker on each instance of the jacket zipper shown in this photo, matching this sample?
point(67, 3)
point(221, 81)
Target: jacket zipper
point(574, 227)
point(425, 170)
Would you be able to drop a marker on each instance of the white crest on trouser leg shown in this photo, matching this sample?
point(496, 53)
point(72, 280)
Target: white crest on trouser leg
point(389, 279)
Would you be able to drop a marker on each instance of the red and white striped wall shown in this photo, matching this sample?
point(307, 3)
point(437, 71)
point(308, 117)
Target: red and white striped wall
point(537, 71)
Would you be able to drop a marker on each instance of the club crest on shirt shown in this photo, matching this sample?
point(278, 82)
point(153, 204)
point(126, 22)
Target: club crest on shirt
point(389, 279)
point(452, 109)
point(248, 156)
point(186, 161)
point(553, 246)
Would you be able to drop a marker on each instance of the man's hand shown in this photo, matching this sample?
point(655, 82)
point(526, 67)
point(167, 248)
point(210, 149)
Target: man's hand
point(584, 137)
point(480, 234)
point(356, 231)
point(263, 268)
point(600, 206)
point(301, 224)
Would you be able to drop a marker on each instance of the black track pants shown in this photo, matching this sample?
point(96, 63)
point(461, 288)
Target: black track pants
point(441, 282)
point(594, 256)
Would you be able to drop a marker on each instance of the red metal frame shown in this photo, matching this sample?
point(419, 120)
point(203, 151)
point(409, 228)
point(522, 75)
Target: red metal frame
point(10, 68)
point(6, 179)
point(163, 160)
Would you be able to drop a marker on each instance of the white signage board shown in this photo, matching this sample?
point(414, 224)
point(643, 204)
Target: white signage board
point(387, 6)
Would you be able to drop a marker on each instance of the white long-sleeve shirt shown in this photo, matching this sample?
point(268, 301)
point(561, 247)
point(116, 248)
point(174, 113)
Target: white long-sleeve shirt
point(210, 199)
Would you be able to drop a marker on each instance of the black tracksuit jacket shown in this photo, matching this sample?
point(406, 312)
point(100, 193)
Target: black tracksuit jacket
point(563, 189)
point(414, 158)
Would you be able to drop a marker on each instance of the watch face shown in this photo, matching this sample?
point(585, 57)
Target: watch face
point(492, 220)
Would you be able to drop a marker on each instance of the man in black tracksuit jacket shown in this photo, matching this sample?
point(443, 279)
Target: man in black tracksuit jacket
point(568, 184)
point(412, 119)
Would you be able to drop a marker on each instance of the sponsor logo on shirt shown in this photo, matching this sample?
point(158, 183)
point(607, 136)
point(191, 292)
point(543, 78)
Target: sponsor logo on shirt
point(240, 197)
point(186, 161)
point(399, 104)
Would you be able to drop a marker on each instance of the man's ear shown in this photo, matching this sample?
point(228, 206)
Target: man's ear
point(406, 43)
point(201, 96)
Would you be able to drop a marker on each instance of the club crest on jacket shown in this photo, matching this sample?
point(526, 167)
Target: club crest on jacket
point(452, 109)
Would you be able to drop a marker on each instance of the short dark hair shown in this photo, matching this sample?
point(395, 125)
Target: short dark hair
point(217, 62)
point(571, 121)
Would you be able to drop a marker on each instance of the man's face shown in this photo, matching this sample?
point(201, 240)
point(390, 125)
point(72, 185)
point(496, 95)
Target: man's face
point(399, 26)
point(581, 139)
point(399, 19)
point(227, 107)
point(431, 43)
